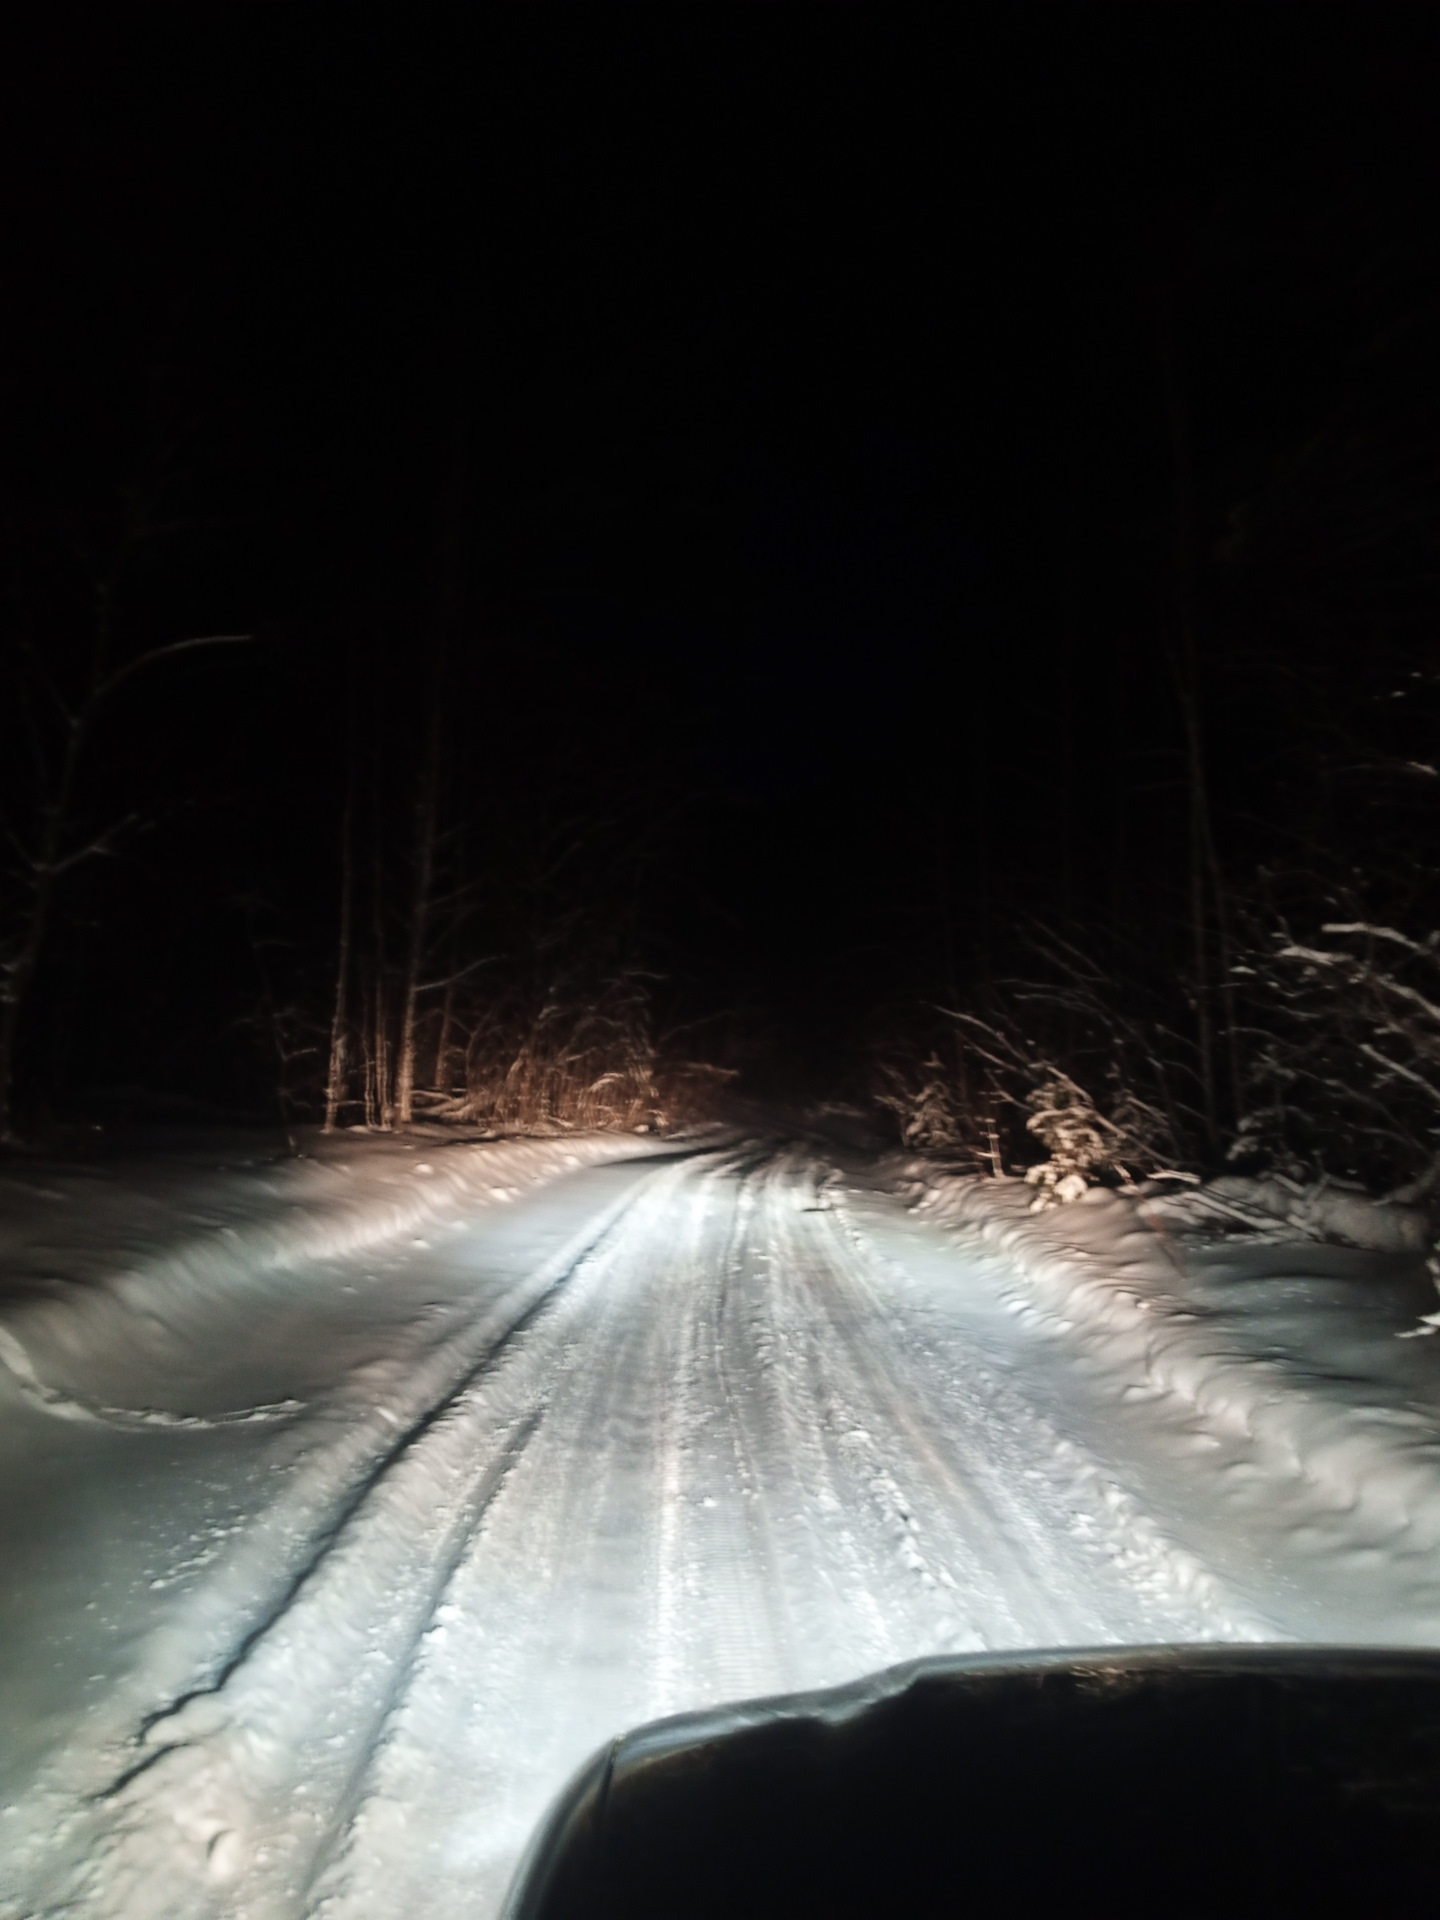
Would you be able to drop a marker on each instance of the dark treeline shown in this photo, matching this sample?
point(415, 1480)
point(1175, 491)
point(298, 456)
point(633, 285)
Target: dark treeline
point(1231, 960)
point(884, 563)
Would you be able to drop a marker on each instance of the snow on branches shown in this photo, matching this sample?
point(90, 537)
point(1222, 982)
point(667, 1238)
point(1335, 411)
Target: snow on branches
point(1073, 1078)
point(1347, 1069)
point(1051, 1064)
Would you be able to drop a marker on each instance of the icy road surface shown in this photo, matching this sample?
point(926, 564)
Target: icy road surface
point(318, 1589)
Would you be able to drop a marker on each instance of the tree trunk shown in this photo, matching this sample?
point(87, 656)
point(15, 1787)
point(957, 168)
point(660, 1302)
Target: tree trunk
point(19, 974)
point(379, 1107)
point(426, 810)
point(443, 1043)
point(382, 1105)
point(427, 804)
point(51, 854)
point(1185, 673)
point(1119, 838)
point(340, 1019)
point(980, 822)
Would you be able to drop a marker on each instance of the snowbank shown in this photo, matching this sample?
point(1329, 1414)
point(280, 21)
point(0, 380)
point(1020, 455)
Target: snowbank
point(1274, 1353)
point(1284, 1210)
point(99, 1259)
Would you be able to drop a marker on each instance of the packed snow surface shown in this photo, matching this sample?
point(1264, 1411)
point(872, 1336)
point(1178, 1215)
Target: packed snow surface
point(347, 1504)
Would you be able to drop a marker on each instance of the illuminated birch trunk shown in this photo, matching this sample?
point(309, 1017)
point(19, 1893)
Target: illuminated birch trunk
point(340, 1018)
point(427, 803)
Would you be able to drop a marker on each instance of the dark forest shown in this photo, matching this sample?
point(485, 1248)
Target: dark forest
point(567, 566)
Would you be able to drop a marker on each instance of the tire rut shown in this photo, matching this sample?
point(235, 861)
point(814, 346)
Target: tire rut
point(253, 1771)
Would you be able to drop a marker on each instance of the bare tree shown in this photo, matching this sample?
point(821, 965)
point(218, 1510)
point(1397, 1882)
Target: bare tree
point(1207, 889)
point(1346, 1062)
point(379, 1102)
point(48, 832)
point(427, 798)
point(427, 807)
point(340, 1017)
point(1070, 1061)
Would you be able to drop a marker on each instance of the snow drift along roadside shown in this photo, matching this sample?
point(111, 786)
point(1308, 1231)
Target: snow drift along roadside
point(141, 1261)
point(1284, 1210)
point(1313, 1452)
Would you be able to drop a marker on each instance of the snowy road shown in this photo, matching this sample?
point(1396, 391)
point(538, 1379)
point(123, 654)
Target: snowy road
point(677, 1430)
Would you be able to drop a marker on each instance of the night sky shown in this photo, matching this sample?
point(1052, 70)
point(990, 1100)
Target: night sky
point(799, 366)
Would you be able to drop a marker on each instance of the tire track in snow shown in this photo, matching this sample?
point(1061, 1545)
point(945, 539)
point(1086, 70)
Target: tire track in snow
point(722, 1452)
point(172, 1806)
point(579, 1589)
point(840, 1439)
point(258, 1777)
point(1048, 1493)
point(674, 1346)
point(720, 1549)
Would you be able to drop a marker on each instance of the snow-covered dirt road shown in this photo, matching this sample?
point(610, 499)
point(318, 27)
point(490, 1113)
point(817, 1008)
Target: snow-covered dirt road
point(315, 1597)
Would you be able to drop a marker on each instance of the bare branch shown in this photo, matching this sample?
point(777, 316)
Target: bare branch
point(156, 654)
